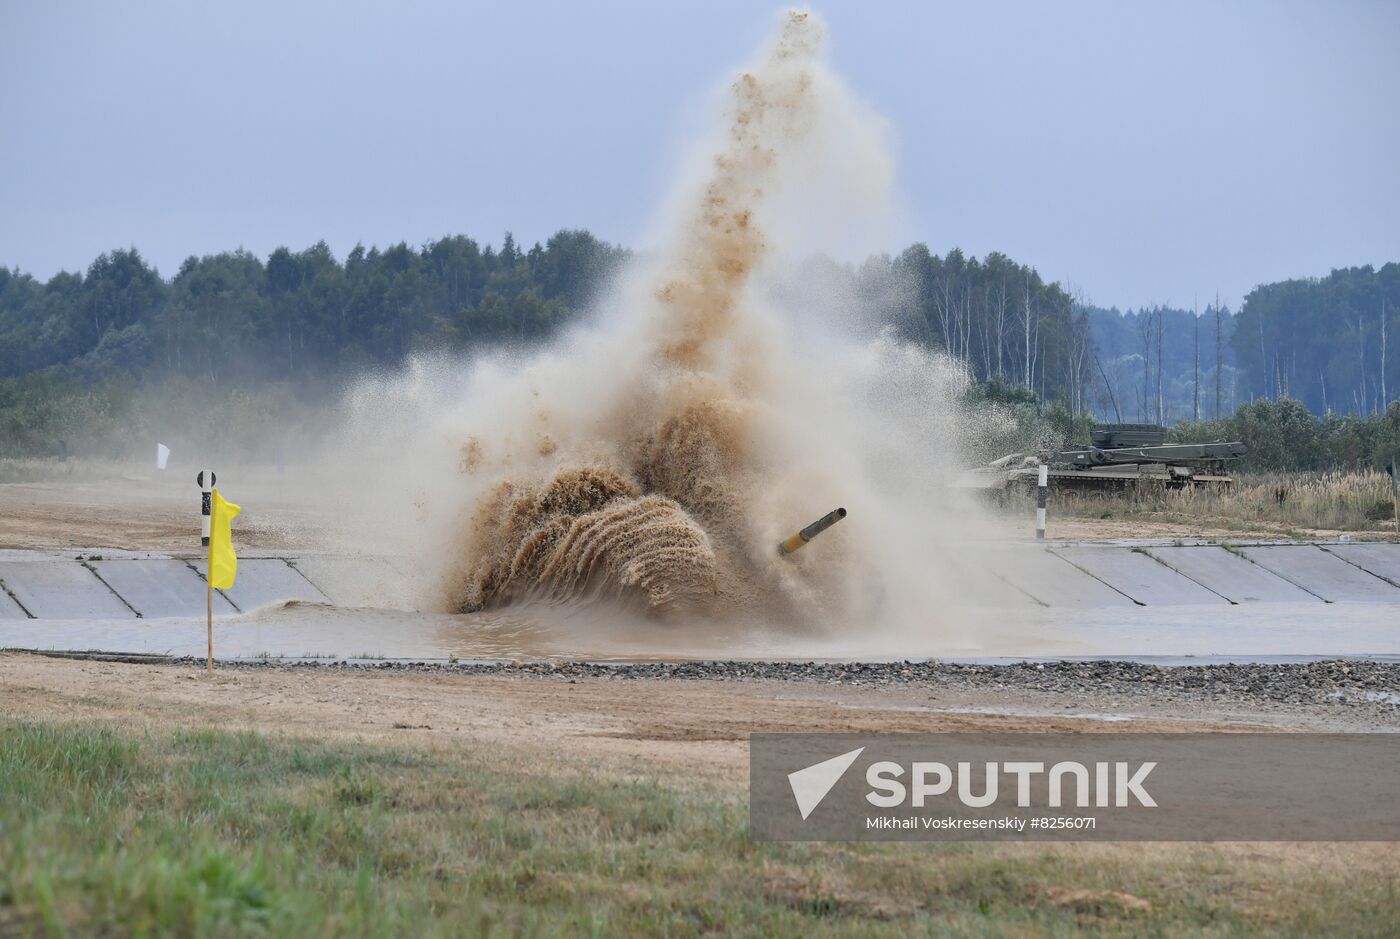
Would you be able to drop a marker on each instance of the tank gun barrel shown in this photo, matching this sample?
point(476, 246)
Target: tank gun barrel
point(1167, 453)
point(798, 539)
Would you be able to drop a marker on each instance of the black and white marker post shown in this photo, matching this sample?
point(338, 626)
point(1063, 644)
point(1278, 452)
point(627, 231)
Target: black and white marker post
point(1041, 488)
point(206, 480)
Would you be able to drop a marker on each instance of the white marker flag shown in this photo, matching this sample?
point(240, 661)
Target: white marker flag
point(162, 454)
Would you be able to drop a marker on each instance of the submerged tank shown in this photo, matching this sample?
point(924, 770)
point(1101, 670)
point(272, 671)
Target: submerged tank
point(1119, 458)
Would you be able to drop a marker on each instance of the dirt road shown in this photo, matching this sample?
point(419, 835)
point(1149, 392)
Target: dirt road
point(692, 725)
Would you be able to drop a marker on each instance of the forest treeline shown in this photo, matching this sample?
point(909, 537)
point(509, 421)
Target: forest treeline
point(1000, 318)
point(1284, 436)
point(1162, 365)
point(1328, 342)
point(83, 348)
point(306, 318)
point(302, 318)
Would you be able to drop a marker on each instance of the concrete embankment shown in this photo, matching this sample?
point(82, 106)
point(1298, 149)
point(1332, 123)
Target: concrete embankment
point(1114, 600)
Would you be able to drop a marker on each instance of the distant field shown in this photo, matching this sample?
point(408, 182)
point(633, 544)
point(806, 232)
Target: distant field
point(198, 832)
point(1294, 505)
point(81, 503)
point(38, 470)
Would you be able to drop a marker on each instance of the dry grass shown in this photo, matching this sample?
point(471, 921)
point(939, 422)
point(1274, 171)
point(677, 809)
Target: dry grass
point(73, 469)
point(1293, 504)
point(109, 831)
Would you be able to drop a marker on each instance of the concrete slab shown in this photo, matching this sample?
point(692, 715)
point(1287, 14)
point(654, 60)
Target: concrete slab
point(266, 580)
point(9, 609)
point(978, 585)
point(1323, 574)
point(1140, 576)
point(353, 581)
point(1054, 581)
point(1378, 558)
point(1247, 632)
point(159, 587)
point(52, 587)
point(1230, 575)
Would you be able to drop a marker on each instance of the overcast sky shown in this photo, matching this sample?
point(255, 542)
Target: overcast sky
point(1144, 153)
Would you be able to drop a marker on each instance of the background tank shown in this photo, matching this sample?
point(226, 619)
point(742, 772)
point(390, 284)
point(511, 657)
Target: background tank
point(1110, 436)
point(1120, 457)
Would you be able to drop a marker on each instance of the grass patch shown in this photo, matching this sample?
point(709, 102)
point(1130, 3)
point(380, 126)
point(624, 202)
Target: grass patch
point(206, 833)
point(1290, 504)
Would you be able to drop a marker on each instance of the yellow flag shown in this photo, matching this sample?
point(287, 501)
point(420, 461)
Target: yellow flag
point(223, 563)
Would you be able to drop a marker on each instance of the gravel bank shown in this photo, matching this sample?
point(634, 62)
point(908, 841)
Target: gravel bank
point(1349, 685)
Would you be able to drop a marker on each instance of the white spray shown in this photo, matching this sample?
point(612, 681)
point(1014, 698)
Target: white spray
point(655, 456)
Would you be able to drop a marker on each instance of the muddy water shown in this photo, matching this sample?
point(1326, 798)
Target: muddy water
point(648, 504)
point(716, 401)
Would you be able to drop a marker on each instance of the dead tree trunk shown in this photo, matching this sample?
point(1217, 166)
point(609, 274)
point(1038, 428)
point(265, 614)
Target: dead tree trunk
point(1196, 365)
point(1219, 355)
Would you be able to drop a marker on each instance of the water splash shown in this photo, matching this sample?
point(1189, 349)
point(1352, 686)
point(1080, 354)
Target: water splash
point(655, 456)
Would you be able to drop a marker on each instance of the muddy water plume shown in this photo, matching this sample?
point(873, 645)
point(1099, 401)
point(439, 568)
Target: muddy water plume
point(654, 455)
point(588, 530)
point(661, 520)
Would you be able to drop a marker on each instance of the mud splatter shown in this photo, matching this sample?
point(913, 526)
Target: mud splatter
point(715, 401)
point(588, 532)
point(662, 524)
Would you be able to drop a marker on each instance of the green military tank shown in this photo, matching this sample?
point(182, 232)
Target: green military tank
point(1120, 458)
